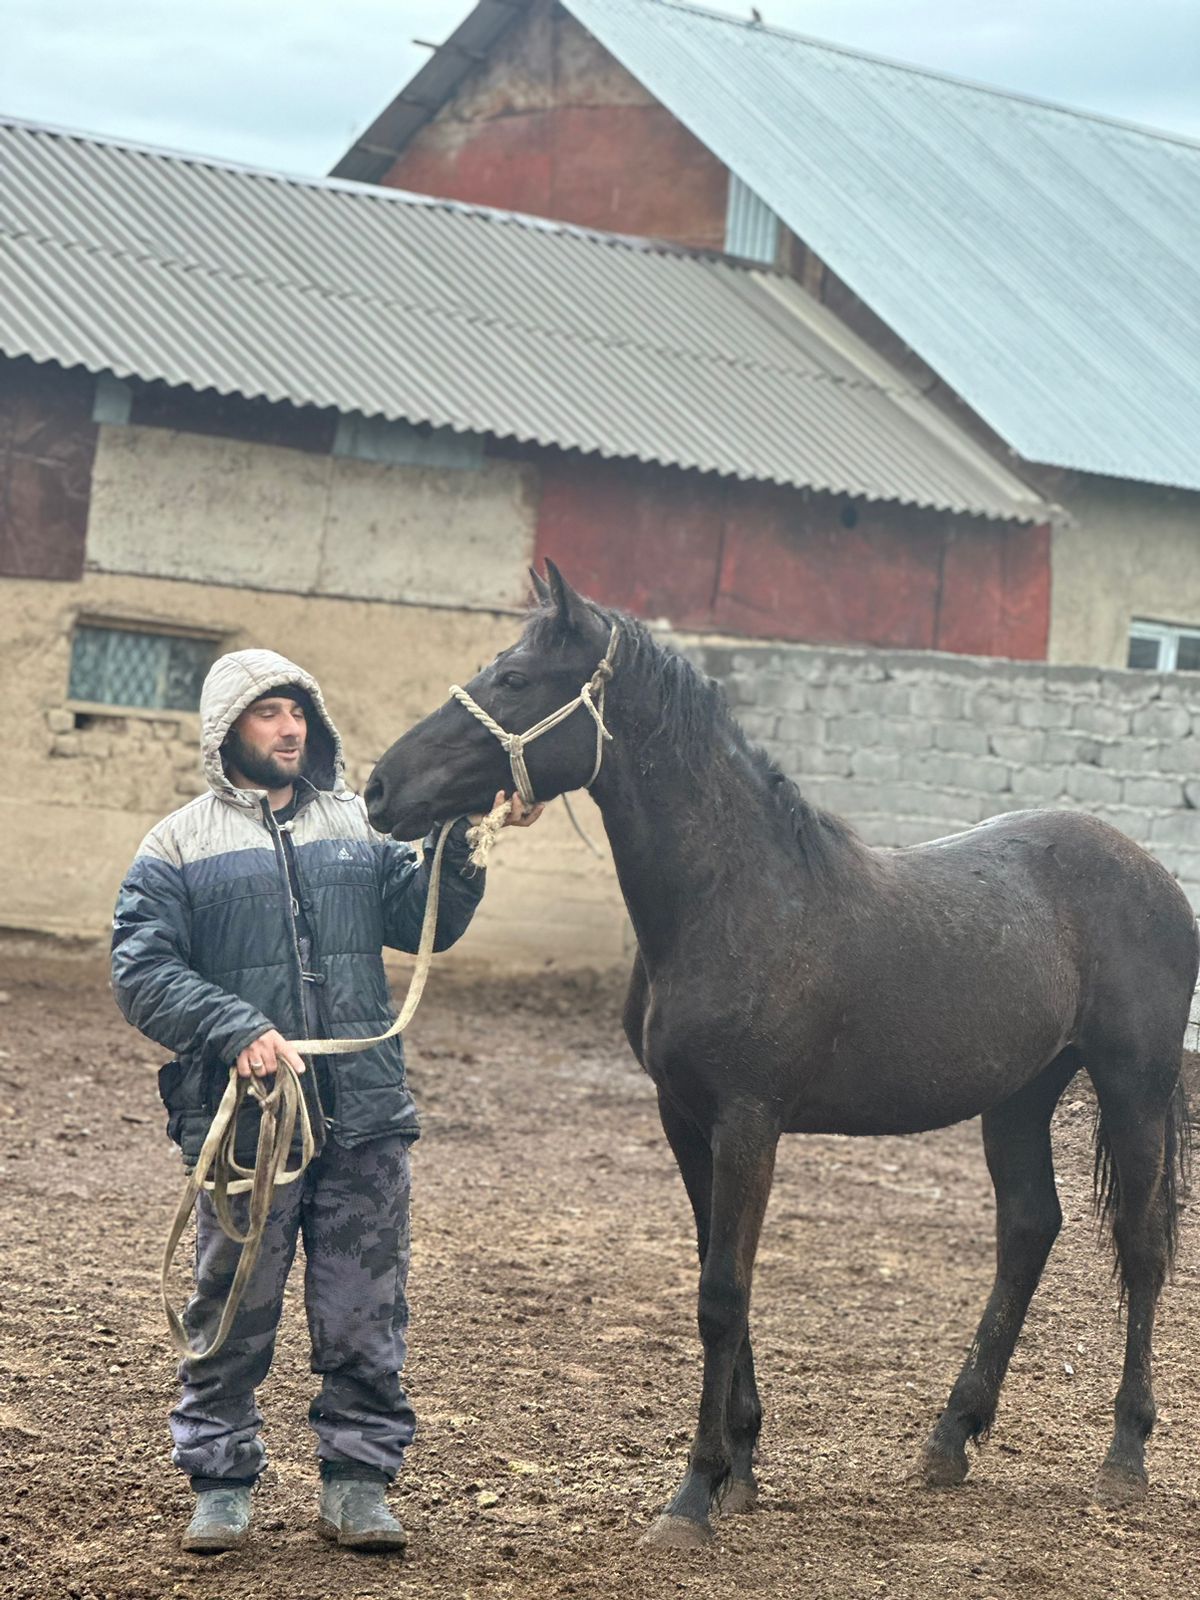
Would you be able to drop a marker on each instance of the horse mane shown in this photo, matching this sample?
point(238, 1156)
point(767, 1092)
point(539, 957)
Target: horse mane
point(694, 715)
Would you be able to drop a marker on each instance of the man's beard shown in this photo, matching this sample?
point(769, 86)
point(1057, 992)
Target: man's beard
point(264, 772)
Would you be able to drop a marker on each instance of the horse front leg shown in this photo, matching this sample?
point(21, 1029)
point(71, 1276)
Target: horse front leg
point(694, 1156)
point(742, 1155)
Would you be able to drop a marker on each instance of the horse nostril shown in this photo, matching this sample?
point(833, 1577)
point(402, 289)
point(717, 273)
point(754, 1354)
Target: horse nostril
point(373, 793)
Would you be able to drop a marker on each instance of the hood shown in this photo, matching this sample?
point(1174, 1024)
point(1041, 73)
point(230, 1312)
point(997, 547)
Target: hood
point(236, 681)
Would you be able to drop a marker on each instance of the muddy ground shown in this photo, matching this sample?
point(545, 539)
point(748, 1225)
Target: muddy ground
point(554, 1362)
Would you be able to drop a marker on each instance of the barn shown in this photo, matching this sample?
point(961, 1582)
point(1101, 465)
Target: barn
point(1030, 269)
point(342, 421)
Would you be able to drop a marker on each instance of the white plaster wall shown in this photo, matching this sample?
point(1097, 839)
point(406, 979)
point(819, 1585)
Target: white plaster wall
point(182, 505)
point(1130, 550)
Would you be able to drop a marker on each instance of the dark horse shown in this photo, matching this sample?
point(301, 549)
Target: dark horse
point(789, 979)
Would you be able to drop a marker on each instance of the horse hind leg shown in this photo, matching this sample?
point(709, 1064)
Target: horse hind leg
point(1142, 1140)
point(1016, 1141)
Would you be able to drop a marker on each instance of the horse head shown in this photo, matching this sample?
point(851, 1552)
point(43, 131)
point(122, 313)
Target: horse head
point(452, 763)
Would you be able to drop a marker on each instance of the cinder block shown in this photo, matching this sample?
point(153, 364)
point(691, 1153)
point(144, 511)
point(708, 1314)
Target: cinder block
point(1044, 713)
point(1019, 744)
point(1174, 755)
point(800, 727)
point(940, 702)
point(1036, 785)
point(905, 735)
point(875, 764)
point(1155, 793)
point(834, 699)
point(1062, 748)
point(1095, 716)
point(990, 708)
point(759, 726)
point(66, 744)
point(1176, 827)
point(59, 721)
point(846, 796)
point(1159, 721)
point(1092, 786)
point(948, 771)
point(888, 699)
point(965, 737)
point(855, 731)
point(820, 760)
point(1130, 755)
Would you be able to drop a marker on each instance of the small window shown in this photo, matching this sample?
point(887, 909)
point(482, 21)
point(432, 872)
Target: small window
point(1161, 647)
point(121, 666)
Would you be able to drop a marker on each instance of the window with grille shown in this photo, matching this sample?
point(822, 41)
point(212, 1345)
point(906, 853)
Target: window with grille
point(117, 666)
point(1160, 647)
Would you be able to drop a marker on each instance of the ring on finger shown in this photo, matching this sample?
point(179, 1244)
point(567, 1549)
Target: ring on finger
point(256, 1063)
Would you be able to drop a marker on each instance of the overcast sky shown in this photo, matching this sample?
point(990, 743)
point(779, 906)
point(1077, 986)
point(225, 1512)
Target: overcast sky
point(289, 83)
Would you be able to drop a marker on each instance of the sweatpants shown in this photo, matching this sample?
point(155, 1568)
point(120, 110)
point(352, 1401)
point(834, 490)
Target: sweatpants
point(351, 1206)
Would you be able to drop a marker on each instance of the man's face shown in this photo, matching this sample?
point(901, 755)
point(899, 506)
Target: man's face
point(266, 744)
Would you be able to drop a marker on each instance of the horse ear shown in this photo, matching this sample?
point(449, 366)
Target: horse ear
point(573, 609)
point(540, 587)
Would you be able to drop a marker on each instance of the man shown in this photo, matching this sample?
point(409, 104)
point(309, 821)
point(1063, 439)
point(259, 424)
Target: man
point(255, 914)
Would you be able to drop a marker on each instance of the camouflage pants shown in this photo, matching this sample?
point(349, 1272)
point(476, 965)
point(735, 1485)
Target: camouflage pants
point(351, 1207)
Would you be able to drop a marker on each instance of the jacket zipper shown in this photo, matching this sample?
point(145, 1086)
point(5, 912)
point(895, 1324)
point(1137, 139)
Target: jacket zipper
point(293, 912)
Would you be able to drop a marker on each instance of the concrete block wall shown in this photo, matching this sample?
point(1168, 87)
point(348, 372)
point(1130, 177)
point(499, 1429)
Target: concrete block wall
point(909, 746)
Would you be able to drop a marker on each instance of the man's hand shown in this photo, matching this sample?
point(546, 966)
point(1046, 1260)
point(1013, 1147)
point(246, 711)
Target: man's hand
point(520, 816)
point(262, 1058)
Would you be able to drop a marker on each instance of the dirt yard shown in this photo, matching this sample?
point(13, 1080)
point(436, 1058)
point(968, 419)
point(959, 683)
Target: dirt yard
point(555, 1366)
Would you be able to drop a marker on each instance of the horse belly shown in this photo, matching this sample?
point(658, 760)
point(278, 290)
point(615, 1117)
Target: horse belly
point(890, 1084)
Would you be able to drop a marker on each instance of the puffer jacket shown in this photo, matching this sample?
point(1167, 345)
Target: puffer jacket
point(205, 956)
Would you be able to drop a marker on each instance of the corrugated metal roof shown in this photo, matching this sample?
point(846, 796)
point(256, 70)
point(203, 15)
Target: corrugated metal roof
point(1044, 262)
point(158, 266)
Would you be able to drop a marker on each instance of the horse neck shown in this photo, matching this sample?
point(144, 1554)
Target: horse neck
point(674, 836)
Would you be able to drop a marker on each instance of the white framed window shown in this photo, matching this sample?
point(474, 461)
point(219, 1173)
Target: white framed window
point(136, 667)
point(1163, 647)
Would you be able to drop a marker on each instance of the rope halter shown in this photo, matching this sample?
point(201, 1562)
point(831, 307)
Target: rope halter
point(590, 697)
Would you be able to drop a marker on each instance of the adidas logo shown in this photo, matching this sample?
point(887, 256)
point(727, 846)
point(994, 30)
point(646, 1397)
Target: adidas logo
point(344, 854)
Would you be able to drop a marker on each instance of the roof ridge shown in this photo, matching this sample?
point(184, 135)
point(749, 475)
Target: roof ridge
point(1124, 124)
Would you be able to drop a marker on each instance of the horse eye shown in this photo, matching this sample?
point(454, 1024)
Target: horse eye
point(512, 680)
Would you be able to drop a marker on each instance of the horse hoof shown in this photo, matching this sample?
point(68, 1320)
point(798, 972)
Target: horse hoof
point(740, 1497)
point(1119, 1486)
point(677, 1533)
point(942, 1472)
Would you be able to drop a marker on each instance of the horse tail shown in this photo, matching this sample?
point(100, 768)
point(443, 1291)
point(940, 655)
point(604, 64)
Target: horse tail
point(1176, 1172)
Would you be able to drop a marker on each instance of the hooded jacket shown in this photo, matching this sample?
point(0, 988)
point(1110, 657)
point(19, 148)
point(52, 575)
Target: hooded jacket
point(205, 957)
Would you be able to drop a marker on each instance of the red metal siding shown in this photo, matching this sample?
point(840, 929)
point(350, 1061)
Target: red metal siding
point(773, 563)
point(47, 445)
point(551, 124)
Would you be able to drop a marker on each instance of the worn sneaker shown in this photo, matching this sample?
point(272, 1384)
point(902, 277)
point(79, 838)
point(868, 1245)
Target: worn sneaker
point(354, 1512)
point(221, 1522)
